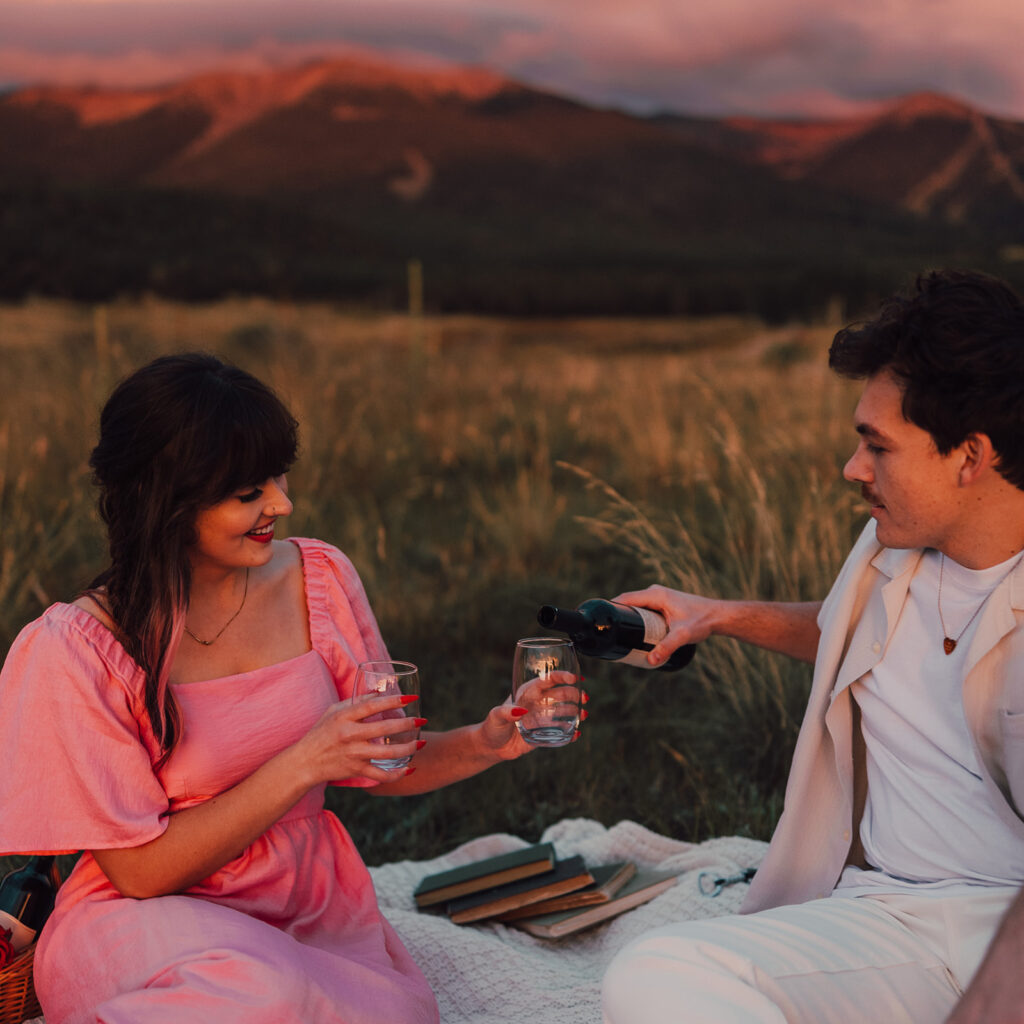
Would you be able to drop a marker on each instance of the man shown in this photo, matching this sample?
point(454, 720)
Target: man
point(891, 888)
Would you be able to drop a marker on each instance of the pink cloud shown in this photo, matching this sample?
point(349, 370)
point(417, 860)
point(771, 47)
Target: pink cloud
point(716, 56)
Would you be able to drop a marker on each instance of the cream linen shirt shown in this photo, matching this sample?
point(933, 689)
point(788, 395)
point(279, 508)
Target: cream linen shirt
point(816, 834)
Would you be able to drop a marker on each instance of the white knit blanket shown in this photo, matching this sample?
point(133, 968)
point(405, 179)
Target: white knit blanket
point(495, 974)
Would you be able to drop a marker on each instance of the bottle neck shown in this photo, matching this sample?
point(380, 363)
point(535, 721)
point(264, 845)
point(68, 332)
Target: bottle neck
point(562, 619)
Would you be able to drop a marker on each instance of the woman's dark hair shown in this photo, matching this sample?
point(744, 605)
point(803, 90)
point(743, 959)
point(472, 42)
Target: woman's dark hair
point(956, 345)
point(179, 435)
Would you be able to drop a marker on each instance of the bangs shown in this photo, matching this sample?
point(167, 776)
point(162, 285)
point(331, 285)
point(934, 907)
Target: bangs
point(256, 447)
point(241, 435)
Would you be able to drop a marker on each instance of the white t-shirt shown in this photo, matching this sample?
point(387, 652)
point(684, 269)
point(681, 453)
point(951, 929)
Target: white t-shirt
point(928, 822)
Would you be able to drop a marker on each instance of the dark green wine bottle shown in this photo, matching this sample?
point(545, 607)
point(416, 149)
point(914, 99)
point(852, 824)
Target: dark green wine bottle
point(615, 632)
point(26, 900)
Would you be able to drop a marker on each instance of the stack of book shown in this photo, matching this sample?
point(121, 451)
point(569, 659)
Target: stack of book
point(531, 889)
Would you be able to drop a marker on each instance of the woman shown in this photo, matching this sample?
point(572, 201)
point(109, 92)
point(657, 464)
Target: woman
point(180, 721)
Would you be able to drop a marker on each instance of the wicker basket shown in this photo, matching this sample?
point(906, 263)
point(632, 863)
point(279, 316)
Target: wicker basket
point(17, 993)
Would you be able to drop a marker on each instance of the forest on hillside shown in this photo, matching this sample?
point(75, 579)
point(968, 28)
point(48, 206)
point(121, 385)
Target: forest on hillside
point(96, 244)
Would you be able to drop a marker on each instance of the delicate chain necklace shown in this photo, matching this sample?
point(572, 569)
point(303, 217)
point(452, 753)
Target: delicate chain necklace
point(949, 643)
point(245, 593)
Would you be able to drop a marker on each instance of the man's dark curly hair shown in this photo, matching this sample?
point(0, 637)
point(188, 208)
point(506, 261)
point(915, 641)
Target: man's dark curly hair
point(955, 342)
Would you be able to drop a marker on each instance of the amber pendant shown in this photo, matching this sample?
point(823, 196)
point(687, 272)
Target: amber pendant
point(949, 646)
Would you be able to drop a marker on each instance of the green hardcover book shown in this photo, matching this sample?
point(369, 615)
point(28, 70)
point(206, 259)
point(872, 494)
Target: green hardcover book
point(644, 886)
point(566, 876)
point(608, 880)
point(484, 874)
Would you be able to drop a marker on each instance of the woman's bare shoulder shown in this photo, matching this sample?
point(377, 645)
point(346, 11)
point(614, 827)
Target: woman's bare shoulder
point(286, 552)
point(286, 563)
point(282, 575)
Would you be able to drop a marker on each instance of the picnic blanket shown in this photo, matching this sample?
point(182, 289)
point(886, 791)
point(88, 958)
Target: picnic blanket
point(495, 974)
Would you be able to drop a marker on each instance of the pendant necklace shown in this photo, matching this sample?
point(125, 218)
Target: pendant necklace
point(948, 642)
point(245, 593)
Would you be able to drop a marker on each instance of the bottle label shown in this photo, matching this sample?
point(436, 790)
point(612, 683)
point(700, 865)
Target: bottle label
point(638, 659)
point(655, 627)
point(20, 936)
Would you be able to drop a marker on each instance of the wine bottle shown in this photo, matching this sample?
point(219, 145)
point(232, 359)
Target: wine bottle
point(26, 899)
point(616, 632)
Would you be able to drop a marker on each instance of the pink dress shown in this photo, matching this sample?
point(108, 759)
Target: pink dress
point(290, 930)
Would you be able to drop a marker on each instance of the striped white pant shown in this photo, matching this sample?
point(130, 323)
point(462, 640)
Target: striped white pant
point(886, 959)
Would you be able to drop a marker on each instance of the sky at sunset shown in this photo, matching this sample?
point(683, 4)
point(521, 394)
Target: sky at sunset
point(767, 57)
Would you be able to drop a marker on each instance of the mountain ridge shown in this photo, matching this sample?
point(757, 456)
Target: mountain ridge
point(205, 130)
point(845, 155)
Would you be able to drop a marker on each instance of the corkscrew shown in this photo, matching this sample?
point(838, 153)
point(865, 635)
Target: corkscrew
point(711, 886)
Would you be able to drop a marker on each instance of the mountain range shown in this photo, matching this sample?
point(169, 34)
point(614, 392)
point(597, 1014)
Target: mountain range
point(324, 181)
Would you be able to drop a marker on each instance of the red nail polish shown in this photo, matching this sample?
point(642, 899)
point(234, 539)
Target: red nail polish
point(408, 698)
point(419, 722)
point(410, 769)
point(575, 735)
point(517, 712)
point(420, 744)
point(584, 715)
point(586, 696)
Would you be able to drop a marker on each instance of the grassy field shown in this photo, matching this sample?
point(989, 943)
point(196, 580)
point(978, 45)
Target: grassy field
point(475, 469)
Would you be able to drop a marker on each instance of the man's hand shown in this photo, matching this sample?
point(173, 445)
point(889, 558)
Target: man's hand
point(786, 627)
point(689, 617)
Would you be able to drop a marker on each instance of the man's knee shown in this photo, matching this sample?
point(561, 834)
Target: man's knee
point(646, 973)
point(681, 970)
point(621, 982)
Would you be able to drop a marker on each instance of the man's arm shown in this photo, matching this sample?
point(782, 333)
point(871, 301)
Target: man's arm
point(996, 993)
point(786, 627)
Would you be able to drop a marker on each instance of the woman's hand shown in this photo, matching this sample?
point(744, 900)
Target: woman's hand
point(498, 732)
point(340, 745)
point(458, 754)
point(552, 700)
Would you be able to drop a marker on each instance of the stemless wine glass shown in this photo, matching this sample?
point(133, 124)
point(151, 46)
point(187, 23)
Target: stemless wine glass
point(546, 681)
point(390, 679)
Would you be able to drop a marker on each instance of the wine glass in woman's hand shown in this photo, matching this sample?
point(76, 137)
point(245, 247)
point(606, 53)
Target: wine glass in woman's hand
point(390, 679)
point(546, 682)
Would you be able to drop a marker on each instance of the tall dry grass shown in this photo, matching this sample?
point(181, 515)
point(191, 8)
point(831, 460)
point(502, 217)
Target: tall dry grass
point(475, 469)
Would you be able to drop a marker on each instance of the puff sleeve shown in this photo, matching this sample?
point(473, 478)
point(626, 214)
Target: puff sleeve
point(342, 625)
point(78, 770)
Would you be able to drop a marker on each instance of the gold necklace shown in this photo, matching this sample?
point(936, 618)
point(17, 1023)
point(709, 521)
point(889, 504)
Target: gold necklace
point(245, 593)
